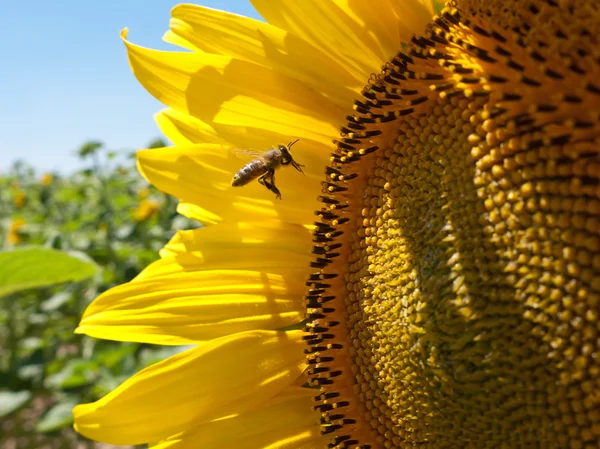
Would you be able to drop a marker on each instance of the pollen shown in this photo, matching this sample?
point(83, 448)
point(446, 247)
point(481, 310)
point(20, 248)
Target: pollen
point(456, 287)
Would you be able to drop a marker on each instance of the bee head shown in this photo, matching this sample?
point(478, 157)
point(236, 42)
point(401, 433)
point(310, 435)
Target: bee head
point(285, 151)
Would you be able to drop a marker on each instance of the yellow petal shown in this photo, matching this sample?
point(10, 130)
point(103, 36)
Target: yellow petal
point(197, 213)
point(259, 42)
point(390, 22)
point(183, 129)
point(174, 311)
point(211, 282)
point(202, 174)
point(330, 28)
point(229, 91)
point(240, 235)
point(175, 39)
point(218, 260)
point(287, 421)
point(412, 17)
point(195, 387)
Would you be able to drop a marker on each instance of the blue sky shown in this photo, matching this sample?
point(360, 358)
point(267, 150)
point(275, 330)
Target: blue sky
point(65, 77)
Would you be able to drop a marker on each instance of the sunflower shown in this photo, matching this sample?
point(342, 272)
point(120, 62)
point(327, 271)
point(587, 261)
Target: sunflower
point(15, 234)
point(19, 199)
point(46, 179)
point(449, 283)
point(145, 210)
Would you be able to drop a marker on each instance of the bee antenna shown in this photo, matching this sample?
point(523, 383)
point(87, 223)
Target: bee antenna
point(292, 143)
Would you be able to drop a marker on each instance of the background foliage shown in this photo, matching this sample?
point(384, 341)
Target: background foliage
point(105, 224)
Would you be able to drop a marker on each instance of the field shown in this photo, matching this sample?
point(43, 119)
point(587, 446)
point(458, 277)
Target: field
point(108, 216)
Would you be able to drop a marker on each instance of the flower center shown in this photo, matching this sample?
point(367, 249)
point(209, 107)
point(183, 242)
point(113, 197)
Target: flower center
point(455, 301)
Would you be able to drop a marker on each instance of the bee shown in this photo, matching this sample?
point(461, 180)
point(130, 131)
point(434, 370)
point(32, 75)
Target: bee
point(263, 166)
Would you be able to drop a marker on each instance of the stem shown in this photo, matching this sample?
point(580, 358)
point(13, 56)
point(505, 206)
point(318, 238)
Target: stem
point(109, 210)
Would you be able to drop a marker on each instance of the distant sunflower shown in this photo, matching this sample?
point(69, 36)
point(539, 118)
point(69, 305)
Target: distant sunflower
point(46, 179)
point(19, 199)
point(14, 235)
point(452, 274)
point(145, 210)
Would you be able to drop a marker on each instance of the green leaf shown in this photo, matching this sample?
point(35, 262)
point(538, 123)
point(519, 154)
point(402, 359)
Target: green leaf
point(75, 374)
point(31, 343)
point(125, 231)
point(37, 319)
point(112, 355)
point(89, 148)
point(54, 240)
point(12, 400)
point(38, 267)
point(31, 372)
point(157, 143)
point(56, 301)
point(150, 356)
point(59, 416)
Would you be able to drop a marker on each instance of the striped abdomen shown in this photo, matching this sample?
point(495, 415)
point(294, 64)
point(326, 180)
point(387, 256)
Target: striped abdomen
point(248, 172)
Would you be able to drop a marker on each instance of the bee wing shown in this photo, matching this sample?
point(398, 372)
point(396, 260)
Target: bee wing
point(247, 153)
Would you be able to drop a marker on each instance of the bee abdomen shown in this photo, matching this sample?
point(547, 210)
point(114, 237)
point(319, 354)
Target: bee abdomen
point(248, 172)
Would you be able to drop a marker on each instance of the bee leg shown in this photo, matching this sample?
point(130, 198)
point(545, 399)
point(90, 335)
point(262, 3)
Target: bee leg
point(294, 164)
point(268, 180)
point(272, 188)
point(262, 180)
point(297, 166)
